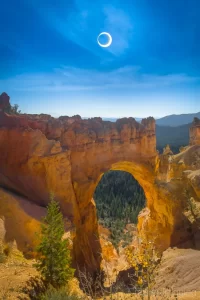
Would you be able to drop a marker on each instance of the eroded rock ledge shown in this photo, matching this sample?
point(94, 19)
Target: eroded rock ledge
point(68, 156)
point(195, 132)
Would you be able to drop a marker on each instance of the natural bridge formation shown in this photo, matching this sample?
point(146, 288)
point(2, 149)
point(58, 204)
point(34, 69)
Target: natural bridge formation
point(68, 156)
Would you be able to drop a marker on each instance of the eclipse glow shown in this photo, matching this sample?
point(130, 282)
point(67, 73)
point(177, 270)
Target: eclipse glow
point(109, 40)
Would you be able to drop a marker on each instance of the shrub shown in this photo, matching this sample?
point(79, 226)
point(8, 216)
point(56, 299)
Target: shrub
point(7, 249)
point(144, 259)
point(3, 256)
point(34, 288)
point(60, 294)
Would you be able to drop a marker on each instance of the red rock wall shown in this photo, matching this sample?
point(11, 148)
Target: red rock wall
point(68, 156)
point(195, 132)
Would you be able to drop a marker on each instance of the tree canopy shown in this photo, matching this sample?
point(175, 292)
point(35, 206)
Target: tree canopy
point(119, 199)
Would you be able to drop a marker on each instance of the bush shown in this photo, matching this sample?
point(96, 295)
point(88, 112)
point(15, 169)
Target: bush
point(3, 254)
point(61, 294)
point(34, 288)
point(7, 249)
point(3, 258)
point(144, 259)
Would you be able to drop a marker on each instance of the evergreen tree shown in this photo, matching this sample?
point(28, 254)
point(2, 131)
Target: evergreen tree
point(54, 259)
point(119, 199)
point(12, 110)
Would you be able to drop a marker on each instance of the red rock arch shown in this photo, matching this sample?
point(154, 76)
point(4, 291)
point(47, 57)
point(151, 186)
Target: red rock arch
point(39, 154)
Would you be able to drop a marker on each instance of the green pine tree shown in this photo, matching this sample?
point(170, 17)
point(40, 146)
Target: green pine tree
point(12, 109)
point(54, 258)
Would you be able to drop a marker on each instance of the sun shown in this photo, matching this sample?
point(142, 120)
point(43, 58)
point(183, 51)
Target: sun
point(109, 39)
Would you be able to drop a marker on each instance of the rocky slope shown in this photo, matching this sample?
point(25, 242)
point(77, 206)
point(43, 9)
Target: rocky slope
point(195, 132)
point(179, 270)
point(67, 156)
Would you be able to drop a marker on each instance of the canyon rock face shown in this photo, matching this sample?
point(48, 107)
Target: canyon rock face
point(195, 132)
point(4, 101)
point(68, 156)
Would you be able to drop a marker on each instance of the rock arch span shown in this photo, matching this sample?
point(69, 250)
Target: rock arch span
point(68, 156)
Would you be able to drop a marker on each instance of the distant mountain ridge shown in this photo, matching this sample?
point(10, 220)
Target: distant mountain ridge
point(177, 120)
point(115, 119)
point(171, 120)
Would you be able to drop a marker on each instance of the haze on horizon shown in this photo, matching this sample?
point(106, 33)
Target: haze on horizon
point(51, 63)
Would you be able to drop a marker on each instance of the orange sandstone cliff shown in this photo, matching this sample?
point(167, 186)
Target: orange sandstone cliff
point(68, 156)
point(195, 132)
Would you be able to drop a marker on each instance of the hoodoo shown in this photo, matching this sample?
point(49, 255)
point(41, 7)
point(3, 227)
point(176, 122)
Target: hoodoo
point(195, 132)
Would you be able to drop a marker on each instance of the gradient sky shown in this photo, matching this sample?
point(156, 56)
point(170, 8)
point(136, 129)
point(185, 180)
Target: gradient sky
point(50, 61)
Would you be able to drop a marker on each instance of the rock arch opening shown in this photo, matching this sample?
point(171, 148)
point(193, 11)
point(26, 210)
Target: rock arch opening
point(119, 199)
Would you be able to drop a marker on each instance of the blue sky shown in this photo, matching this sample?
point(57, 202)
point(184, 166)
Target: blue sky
point(50, 61)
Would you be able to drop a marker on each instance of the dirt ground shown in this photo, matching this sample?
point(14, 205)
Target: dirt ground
point(186, 296)
point(13, 276)
point(179, 270)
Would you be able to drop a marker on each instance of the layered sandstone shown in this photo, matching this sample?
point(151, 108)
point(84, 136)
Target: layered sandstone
point(4, 101)
point(68, 156)
point(195, 132)
point(19, 219)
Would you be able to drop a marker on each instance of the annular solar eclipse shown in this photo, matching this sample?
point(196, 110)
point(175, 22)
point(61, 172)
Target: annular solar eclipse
point(109, 40)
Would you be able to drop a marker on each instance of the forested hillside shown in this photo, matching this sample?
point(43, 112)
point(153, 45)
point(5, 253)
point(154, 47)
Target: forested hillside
point(174, 136)
point(177, 120)
point(119, 199)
